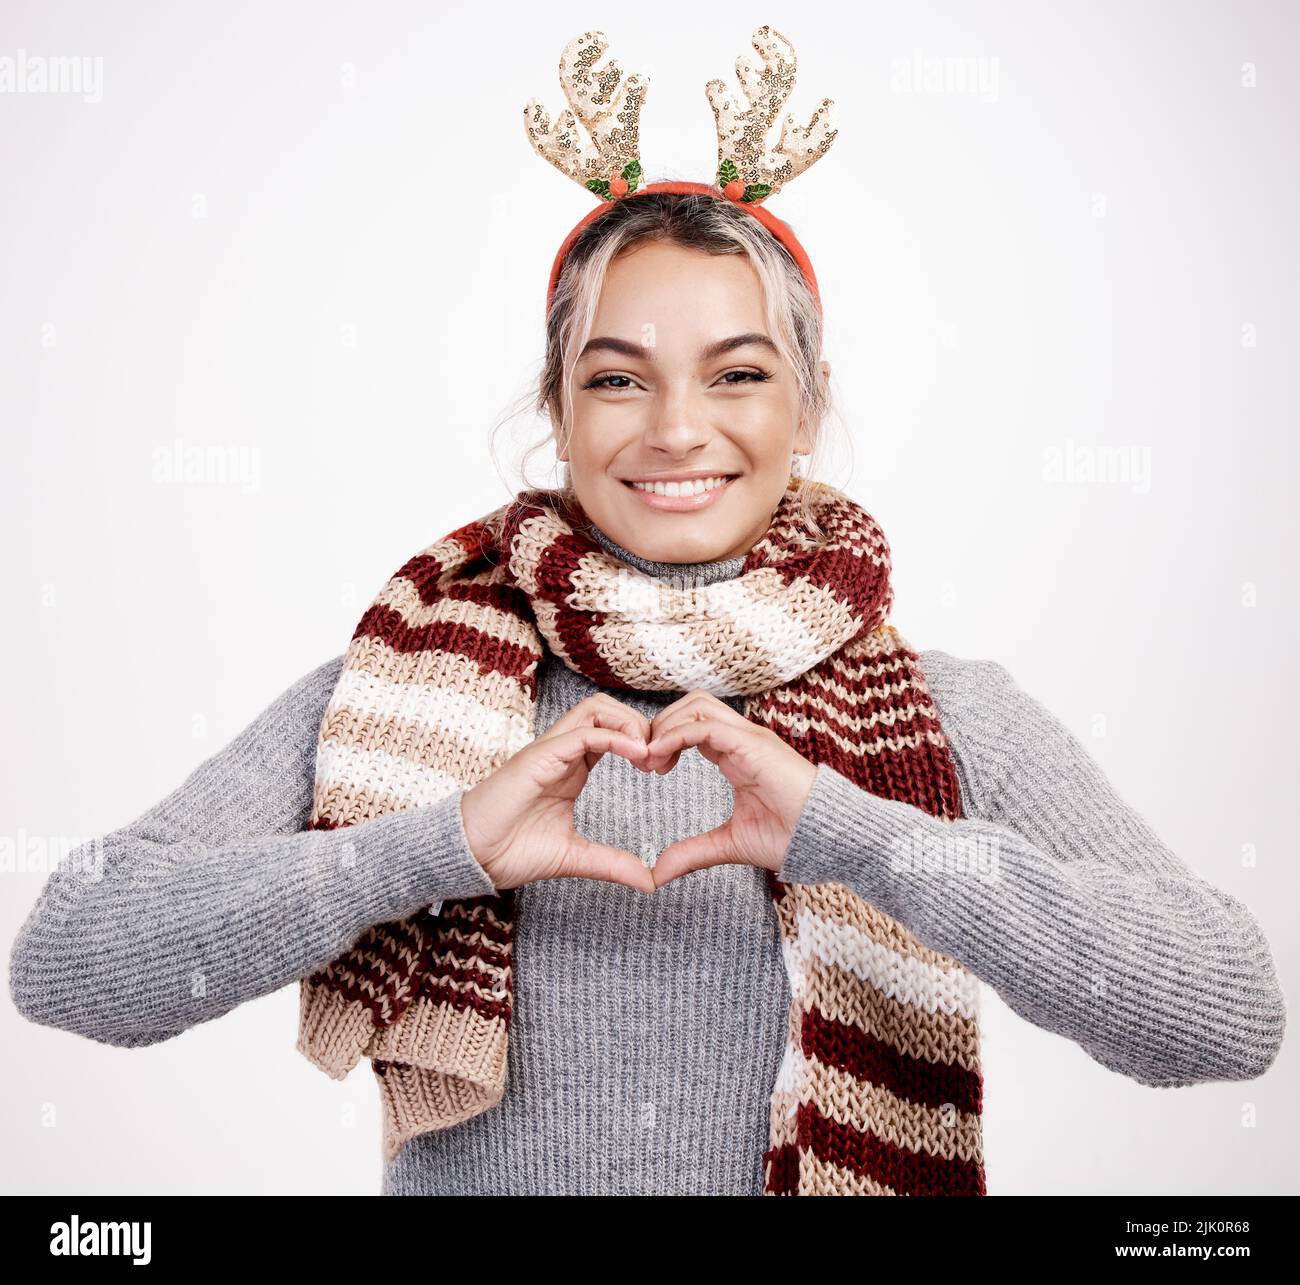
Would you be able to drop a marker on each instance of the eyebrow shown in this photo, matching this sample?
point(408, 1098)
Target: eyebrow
point(626, 348)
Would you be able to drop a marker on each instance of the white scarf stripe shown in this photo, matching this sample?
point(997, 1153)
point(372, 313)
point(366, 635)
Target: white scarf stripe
point(793, 647)
point(903, 977)
point(680, 660)
point(487, 729)
point(412, 783)
point(790, 1075)
point(412, 728)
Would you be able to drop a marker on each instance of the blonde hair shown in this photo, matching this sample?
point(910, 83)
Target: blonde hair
point(713, 225)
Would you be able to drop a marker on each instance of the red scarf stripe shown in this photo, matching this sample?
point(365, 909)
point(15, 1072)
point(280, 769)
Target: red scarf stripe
point(840, 573)
point(911, 774)
point(489, 914)
point(466, 969)
point(388, 993)
point(482, 565)
point(476, 948)
point(424, 569)
point(386, 987)
point(861, 666)
point(399, 946)
point(868, 678)
point(489, 940)
point(442, 990)
point(919, 775)
point(449, 948)
point(577, 637)
point(842, 527)
point(911, 714)
point(476, 538)
point(497, 978)
point(576, 629)
point(867, 1057)
point(379, 1001)
point(556, 565)
point(865, 596)
point(477, 928)
point(905, 1172)
point(781, 1167)
point(506, 598)
point(894, 771)
point(385, 968)
point(386, 625)
point(862, 704)
point(552, 576)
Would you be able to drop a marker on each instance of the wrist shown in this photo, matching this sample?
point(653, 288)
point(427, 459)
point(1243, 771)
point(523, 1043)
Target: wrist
point(474, 845)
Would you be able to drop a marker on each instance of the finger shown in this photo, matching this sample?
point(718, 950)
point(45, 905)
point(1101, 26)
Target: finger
point(601, 710)
point(612, 865)
point(688, 715)
point(559, 753)
point(695, 696)
point(690, 708)
point(712, 848)
point(716, 741)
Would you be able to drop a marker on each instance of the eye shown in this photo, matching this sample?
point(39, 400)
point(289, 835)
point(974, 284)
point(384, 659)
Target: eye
point(744, 377)
point(601, 381)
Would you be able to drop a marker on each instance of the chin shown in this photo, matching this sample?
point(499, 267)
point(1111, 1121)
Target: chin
point(707, 548)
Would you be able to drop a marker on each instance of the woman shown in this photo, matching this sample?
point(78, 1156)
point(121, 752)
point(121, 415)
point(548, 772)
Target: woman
point(650, 995)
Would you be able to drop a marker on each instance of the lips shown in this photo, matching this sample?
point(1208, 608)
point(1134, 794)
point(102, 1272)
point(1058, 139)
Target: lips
point(692, 484)
point(679, 503)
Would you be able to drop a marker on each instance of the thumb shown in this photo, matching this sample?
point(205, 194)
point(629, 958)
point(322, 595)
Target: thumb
point(712, 848)
point(613, 865)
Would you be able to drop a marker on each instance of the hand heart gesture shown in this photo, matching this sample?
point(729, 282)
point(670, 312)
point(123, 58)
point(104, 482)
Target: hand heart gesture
point(519, 820)
point(770, 781)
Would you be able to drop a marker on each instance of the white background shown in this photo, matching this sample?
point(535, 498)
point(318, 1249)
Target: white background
point(315, 234)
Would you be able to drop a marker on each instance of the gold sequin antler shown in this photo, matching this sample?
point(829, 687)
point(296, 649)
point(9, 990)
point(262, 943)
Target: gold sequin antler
point(610, 112)
point(747, 170)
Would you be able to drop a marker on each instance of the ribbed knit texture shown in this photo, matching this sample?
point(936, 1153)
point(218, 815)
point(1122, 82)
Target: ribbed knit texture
point(618, 992)
point(880, 1090)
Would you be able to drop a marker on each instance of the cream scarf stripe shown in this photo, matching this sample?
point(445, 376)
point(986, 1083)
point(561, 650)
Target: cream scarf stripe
point(936, 1131)
point(933, 988)
point(794, 629)
point(427, 706)
point(413, 718)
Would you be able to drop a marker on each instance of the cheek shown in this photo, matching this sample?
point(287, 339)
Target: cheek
point(595, 435)
point(769, 442)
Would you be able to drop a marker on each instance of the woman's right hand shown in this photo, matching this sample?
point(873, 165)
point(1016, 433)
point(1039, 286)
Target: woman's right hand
point(519, 819)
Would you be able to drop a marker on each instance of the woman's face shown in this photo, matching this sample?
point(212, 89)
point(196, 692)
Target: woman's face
point(679, 382)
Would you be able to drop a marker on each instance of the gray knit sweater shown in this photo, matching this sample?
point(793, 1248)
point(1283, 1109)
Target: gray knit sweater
point(648, 1028)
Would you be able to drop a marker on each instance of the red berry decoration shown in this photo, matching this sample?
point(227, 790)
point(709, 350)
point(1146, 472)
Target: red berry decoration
point(618, 186)
point(734, 190)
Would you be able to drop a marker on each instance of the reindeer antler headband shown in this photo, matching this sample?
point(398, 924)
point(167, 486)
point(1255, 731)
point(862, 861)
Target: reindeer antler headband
point(609, 108)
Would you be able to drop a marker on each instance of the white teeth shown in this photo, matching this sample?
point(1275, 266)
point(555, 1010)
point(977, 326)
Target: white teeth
point(696, 486)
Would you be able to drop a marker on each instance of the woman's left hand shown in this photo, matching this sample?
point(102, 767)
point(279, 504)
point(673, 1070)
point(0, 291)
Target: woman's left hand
point(770, 780)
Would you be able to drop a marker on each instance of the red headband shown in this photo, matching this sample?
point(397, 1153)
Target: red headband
point(775, 226)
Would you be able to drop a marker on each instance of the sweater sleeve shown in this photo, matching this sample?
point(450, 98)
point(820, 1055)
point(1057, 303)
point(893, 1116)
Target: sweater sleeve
point(217, 894)
point(1055, 892)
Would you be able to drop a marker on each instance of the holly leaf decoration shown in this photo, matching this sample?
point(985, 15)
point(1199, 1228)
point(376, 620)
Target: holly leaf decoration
point(727, 172)
point(757, 191)
point(632, 172)
point(600, 186)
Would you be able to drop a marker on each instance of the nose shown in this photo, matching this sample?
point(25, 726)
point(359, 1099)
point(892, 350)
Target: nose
point(676, 428)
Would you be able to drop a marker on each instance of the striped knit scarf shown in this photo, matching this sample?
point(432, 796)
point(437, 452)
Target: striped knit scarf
point(879, 1091)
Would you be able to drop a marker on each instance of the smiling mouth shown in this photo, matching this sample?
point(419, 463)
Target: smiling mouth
point(684, 489)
